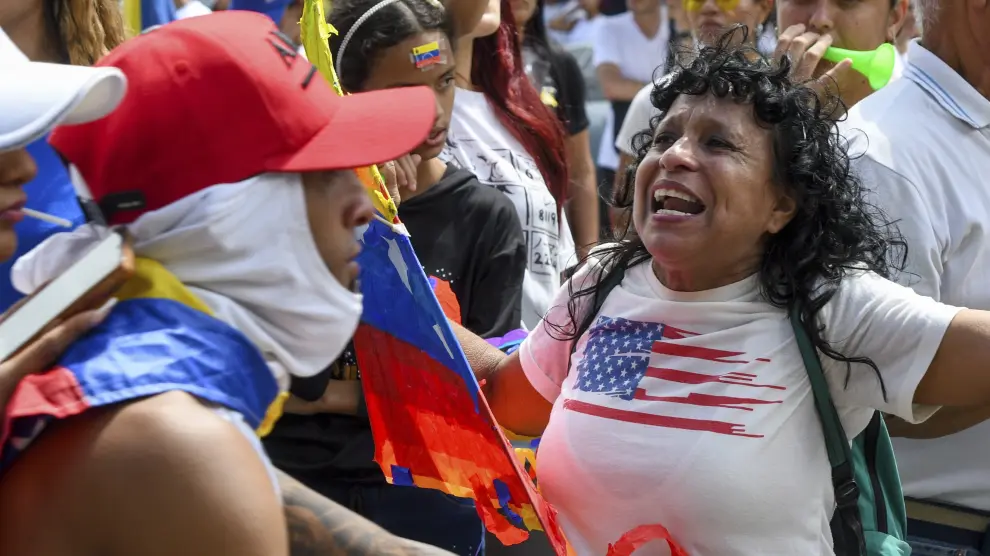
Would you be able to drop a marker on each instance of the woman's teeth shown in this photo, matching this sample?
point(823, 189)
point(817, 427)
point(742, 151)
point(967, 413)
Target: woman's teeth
point(676, 203)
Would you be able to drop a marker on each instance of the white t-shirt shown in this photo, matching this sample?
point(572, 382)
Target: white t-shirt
point(930, 170)
point(583, 31)
point(477, 142)
point(641, 111)
point(694, 411)
point(619, 41)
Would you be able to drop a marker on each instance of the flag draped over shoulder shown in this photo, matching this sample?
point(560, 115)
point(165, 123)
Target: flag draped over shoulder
point(432, 426)
point(158, 338)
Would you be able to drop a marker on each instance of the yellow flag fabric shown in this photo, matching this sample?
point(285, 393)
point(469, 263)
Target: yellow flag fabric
point(316, 33)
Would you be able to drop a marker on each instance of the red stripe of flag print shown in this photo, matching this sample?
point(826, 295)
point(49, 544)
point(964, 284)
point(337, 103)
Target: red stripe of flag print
point(617, 364)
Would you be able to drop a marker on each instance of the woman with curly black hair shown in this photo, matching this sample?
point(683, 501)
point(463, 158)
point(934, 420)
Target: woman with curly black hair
point(667, 381)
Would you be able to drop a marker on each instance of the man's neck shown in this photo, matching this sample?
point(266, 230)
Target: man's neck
point(29, 32)
point(969, 60)
point(648, 22)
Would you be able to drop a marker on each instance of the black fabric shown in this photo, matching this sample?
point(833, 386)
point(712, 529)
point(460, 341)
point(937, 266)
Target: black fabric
point(619, 110)
point(326, 445)
point(570, 90)
point(463, 232)
point(425, 515)
point(469, 235)
point(612, 7)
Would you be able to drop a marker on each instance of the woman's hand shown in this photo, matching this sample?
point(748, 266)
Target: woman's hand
point(400, 174)
point(341, 397)
point(40, 354)
point(806, 51)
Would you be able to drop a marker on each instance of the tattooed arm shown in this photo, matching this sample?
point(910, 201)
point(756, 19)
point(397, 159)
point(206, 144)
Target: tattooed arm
point(320, 527)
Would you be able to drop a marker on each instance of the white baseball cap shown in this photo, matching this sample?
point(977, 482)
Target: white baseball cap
point(35, 96)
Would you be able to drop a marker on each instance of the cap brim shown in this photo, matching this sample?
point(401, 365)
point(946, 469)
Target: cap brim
point(35, 97)
point(368, 128)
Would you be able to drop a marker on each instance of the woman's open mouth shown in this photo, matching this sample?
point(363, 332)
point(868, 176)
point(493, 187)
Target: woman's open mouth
point(676, 203)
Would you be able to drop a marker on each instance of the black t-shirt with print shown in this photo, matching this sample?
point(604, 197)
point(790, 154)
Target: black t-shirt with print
point(564, 83)
point(464, 233)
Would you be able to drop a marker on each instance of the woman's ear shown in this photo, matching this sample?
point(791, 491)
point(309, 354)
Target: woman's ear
point(783, 212)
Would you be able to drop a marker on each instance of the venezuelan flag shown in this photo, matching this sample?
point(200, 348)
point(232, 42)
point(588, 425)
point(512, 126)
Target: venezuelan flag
point(432, 426)
point(158, 338)
point(426, 55)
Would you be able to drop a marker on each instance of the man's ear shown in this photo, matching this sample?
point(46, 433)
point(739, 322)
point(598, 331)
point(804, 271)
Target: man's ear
point(896, 19)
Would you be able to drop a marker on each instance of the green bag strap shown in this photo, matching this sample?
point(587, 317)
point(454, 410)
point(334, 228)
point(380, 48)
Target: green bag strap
point(847, 529)
point(835, 436)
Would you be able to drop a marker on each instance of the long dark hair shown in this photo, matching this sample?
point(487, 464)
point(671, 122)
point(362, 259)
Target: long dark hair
point(535, 36)
point(834, 231)
point(497, 70)
point(387, 27)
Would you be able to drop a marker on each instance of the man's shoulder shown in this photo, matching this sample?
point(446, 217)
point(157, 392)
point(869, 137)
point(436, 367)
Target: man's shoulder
point(898, 128)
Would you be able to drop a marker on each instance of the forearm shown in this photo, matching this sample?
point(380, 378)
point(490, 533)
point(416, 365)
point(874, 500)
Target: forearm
point(483, 357)
point(320, 527)
point(466, 14)
point(582, 213)
point(948, 420)
point(618, 88)
point(343, 397)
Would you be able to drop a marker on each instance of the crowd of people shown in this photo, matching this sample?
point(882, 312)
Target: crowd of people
point(753, 253)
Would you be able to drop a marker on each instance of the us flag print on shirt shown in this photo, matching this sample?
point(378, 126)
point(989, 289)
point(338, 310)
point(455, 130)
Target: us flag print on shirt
point(632, 361)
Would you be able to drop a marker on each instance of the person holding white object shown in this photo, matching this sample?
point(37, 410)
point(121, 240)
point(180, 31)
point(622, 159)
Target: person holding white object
point(35, 97)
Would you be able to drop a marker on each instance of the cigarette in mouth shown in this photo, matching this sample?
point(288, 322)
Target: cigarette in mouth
point(47, 218)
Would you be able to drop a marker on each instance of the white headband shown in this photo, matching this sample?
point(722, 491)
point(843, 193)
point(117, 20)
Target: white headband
point(360, 20)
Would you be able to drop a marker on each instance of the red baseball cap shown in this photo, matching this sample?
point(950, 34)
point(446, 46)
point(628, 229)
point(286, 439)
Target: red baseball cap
point(221, 98)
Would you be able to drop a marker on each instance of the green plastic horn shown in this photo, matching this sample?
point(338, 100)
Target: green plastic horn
point(877, 65)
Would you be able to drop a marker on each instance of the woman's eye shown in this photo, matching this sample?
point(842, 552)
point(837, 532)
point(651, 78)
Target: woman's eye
point(719, 143)
point(663, 140)
point(446, 81)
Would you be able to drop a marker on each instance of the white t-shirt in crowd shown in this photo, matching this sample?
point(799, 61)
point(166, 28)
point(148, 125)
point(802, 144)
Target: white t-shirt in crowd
point(641, 111)
point(583, 31)
point(477, 142)
point(694, 411)
point(619, 41)
point(934, 185)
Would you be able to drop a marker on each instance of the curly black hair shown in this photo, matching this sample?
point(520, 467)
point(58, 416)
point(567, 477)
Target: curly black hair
point(387, 27)
point(834, 230)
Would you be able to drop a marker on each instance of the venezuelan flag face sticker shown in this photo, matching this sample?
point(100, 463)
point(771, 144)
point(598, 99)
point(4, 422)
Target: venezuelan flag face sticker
point(427, 55)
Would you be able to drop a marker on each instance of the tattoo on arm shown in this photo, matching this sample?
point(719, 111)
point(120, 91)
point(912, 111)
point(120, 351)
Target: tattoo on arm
point(320, 527)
